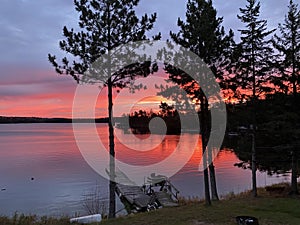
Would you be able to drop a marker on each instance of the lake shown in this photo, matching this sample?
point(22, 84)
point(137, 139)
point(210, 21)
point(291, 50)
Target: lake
point(42, 170)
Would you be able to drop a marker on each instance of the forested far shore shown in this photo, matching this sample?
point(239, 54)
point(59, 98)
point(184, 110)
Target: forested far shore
point(12, 120)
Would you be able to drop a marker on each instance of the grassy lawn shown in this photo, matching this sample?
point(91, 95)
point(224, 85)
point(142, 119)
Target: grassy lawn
point(271, 209)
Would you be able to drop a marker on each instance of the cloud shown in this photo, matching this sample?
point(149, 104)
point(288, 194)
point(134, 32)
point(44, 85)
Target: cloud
point(167, 14)
point(31, 75)
point(29, 29)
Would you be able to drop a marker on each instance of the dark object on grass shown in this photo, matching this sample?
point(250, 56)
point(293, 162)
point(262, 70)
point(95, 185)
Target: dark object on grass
point(246, 220)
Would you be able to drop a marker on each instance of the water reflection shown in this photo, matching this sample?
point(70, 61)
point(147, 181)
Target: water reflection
point(49, 154)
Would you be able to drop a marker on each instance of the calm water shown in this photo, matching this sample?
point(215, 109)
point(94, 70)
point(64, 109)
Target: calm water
point(43, 172)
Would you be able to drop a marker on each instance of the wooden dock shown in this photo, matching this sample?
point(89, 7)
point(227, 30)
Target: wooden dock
point(152, 195)
point(133, 198)
point(165, 199)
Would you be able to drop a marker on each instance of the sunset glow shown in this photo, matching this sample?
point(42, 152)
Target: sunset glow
point(41, 93)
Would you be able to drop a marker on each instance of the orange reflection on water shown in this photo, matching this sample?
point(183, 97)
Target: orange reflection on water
point(164, 150)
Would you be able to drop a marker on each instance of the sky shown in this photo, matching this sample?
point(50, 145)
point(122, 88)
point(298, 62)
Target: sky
point(30, 29)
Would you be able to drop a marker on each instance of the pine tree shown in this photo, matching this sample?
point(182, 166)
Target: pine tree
point(253, 54)
point(103, 26)
point(202, 34)
point(253, 65)
point(288, 45)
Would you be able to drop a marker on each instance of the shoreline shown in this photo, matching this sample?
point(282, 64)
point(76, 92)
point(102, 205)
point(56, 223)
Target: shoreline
point(271, 207)
point(25, 120)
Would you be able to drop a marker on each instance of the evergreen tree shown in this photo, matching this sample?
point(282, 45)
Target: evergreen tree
point(288, 45)
point(202, 34)
point(253, 54)
point(253, 65)
point(103, 26)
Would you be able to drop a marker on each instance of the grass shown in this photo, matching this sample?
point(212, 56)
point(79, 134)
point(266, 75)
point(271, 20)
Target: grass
point(270, 209)
point(32, 220)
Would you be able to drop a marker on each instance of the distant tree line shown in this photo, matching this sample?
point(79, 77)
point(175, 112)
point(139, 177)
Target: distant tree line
point(139, 121)
point(15, 119)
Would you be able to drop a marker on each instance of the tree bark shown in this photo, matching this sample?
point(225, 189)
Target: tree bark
point(112, 184)
point(253, 165)
point(204, 130)
point(213, 183)
point(206, 180)
point(294, 184)
point(212, 177)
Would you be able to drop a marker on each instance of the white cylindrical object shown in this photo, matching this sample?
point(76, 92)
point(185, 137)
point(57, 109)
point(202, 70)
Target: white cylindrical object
point(87, 219)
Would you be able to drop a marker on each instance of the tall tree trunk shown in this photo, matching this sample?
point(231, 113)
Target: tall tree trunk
point(253, 141)
point(213, 182)
point(253, 160)
point(203, 126)
point(294, 59)
point(294, 184)
point(212, 177)
point(253, 165)
point(206, 179)
point(112, 184)
point(253, 147)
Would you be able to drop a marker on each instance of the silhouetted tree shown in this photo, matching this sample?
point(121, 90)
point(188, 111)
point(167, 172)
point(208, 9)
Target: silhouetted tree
point(253, 54)
point(277, 137)
point(202, 34)
point(253, 64)
point(288, 45)
point(166, 109)
point(103, 26)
